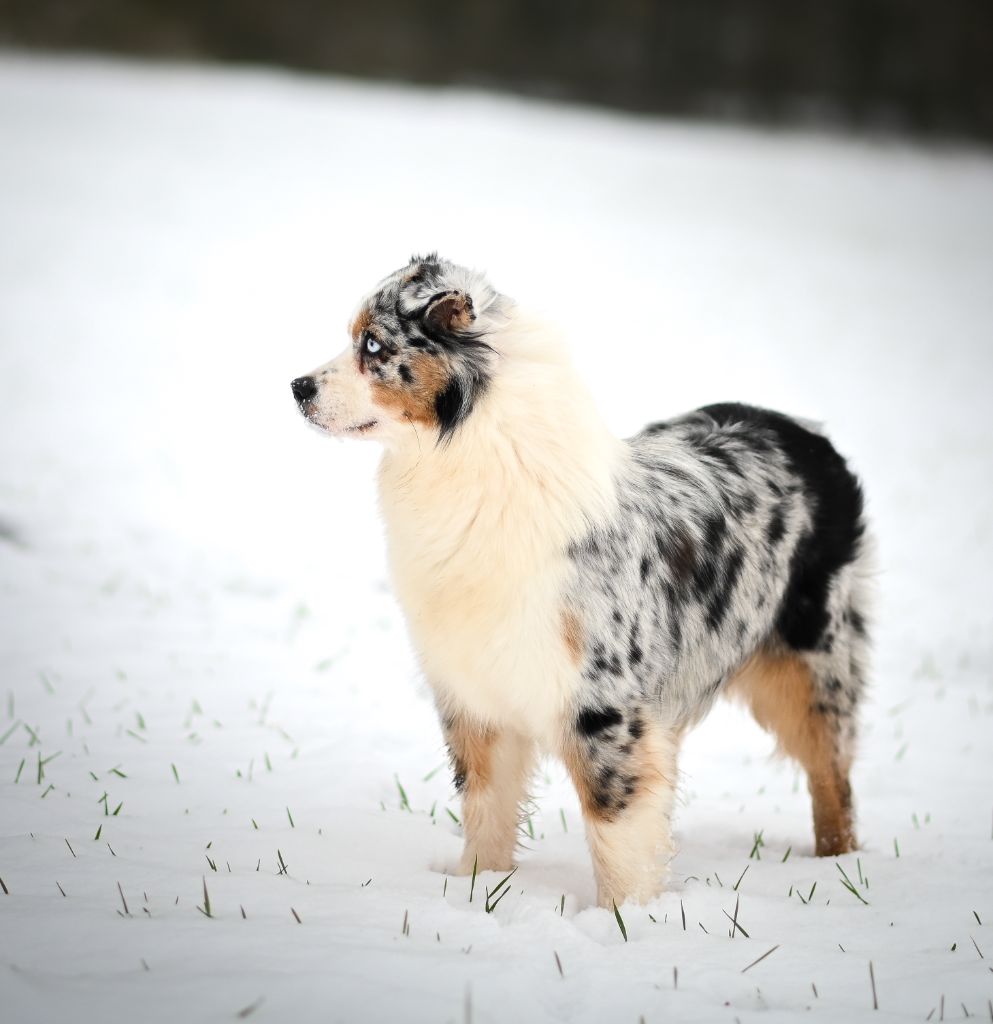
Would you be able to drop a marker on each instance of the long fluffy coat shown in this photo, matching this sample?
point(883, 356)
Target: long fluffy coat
point(576, 594)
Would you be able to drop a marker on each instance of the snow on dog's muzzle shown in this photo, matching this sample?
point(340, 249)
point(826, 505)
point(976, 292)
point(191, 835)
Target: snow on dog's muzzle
point(304, 389)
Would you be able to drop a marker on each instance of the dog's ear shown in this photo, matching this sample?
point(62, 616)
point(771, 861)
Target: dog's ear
point(449, 313)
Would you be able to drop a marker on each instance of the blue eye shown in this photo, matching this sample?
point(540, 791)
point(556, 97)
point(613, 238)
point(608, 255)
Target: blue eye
point(372, 346)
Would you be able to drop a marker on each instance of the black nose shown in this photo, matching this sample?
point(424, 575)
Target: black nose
point(304, 388)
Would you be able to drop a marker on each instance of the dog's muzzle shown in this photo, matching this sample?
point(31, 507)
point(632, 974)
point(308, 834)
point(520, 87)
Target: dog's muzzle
point(304, 389)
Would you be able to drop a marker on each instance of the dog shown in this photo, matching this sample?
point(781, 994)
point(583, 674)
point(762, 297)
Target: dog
point(575, 594)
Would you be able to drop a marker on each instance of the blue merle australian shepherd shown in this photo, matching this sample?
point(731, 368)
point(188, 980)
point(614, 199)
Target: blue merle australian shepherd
point(575, 594)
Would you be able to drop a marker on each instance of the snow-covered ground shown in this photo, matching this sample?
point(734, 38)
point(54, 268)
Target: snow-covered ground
point(205, 679)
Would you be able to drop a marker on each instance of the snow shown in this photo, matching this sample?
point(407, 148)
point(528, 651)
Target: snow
point(191, 578)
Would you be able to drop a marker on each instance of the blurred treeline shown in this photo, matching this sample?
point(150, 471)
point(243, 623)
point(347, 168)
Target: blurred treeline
point(910, 66)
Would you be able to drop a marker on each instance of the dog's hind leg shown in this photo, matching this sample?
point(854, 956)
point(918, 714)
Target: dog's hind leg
point(491, 768)
point(624, 769)
point(800, 699)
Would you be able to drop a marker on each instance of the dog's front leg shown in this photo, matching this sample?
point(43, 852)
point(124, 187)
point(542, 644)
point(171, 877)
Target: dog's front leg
point(491, 768)
point(624, 769)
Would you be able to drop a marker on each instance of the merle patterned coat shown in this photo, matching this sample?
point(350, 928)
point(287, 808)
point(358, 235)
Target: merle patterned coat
point(572, 593)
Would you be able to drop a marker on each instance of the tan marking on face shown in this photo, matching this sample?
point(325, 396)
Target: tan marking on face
point(780, 692)
point(572, 633)
point(415, 401)
point(361, 322)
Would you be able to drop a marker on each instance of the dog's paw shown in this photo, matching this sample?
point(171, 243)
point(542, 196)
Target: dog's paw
point(451, 868)
point(468, 863)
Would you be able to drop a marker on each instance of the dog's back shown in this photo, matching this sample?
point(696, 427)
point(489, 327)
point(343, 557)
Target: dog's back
point(736, 527)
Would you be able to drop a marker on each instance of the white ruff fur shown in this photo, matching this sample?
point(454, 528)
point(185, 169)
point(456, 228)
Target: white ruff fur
point(477, 532)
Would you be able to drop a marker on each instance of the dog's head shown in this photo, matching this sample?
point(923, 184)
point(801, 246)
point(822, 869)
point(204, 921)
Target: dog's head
point(418, 357)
